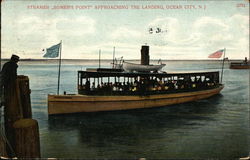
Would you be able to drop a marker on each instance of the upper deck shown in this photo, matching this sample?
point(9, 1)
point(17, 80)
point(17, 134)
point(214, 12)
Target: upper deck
point(146, 83)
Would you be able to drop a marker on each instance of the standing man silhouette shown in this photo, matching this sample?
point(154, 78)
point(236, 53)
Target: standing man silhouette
point(8, 86)
point(9, 74)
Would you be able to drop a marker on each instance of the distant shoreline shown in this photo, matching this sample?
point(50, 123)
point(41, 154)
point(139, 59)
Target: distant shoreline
point(44, 60)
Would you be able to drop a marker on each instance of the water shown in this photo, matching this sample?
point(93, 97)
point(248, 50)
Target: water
point(212, 128)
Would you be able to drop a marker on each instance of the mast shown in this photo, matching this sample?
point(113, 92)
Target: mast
point(59, 68)
point(114, 57)
point(223, 65)
point(99, 58)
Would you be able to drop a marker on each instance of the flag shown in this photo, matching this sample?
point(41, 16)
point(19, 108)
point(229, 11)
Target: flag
point(53, 51)
point(216, 54)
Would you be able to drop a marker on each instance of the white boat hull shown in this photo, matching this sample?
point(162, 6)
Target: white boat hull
point(130, 67)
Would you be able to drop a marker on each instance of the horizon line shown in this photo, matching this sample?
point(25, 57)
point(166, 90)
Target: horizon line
point(52, 59)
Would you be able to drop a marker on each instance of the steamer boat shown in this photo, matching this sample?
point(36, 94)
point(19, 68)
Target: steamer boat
point(109, 90)
point(240, 65)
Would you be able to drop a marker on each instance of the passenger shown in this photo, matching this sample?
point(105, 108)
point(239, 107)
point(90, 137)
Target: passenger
point(82, 87)
point(245, 61)
point(87, 86)
point(124, 86)
point(171, 85)
point(105, 87)
point(131, 86)
point(134, 88)
point(187, 84)
point(102, 85)
point(161, 85)
point(203, 84)
point(110, 86)
point(151, 87)
point(198, 82)
point(93, 86)
point(160, 81)
point(113, 88)
point(175, 84)
point(193, 85)
point(146, 84)
point(180, 84)
point(155, 83)
point(136, 83)
point(139, 85)
point(128, 86)
point(208, 82)
point(166, 85)
point(143, 86)
point(120, 86)
point(117, 86)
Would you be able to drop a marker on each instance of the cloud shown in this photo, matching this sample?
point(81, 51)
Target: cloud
point(209, 24)
point(125, 34)
point(176, 33)
point(33, 33)
point(205, 34)
point(214, 32)
point(77, 26)
point(169, 24)
point(54, 28)
point(241, 22)
point(126, 50)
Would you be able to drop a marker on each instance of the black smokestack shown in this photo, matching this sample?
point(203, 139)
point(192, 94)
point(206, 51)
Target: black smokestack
point(145, 55)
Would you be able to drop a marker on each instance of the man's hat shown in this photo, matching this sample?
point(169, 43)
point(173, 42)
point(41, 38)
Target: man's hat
point(15, 57)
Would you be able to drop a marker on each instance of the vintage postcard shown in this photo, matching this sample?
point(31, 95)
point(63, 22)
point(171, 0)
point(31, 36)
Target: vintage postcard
point(125, 79)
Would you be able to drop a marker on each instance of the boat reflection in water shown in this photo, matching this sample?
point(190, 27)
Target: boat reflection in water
point(110, 89)
point(132, 132)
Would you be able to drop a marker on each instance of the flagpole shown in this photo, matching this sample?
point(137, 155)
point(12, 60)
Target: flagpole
point(223, 65)
point(114, 57)
point(59, 68)
point(99, 58)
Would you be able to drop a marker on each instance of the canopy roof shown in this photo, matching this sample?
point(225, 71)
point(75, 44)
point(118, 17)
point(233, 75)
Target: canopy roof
point(85, 74)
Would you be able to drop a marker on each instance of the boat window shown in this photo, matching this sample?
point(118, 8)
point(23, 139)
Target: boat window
point(202, 78)
point(192, 79)
point(181, 78)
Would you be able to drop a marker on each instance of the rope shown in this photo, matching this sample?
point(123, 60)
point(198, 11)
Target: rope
point(2, 132)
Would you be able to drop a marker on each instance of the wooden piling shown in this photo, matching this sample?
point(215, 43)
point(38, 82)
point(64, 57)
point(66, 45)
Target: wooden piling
point(27, 138)
point(18, 106)
point(12, 113)
point(24, 91)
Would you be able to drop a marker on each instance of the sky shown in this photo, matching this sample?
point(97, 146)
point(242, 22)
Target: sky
point(189, 29)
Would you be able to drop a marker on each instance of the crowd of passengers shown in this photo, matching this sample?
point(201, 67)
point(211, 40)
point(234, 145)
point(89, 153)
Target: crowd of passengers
point(156, 84)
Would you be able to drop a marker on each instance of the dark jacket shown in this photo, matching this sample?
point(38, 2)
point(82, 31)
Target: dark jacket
point(9, 73)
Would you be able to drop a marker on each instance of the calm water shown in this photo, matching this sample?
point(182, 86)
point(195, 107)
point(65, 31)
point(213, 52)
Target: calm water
point(213, 128)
